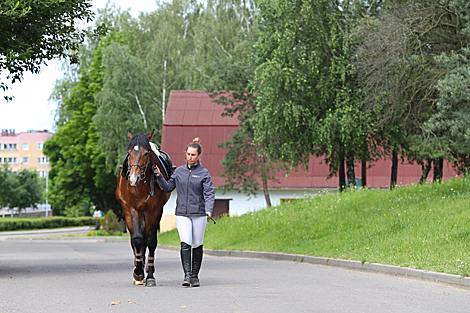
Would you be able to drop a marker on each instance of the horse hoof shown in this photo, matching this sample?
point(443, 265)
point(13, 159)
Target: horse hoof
point(138, 279)
point(150, 282)
point(138, 282)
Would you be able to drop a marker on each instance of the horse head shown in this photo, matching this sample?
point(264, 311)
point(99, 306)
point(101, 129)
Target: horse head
point(139, 151)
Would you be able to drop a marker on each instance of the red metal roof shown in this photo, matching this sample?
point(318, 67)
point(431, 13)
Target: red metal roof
point(195, 108)
point(192, 114)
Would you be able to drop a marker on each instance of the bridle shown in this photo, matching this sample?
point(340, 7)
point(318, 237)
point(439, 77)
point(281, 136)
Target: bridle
point(143, 170)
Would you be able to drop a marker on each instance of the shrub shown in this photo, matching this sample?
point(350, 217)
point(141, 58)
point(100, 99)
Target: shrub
point(19, 223)
point(110, 223)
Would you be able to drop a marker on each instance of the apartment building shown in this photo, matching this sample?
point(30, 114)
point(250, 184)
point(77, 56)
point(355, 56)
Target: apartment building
point(24, 150)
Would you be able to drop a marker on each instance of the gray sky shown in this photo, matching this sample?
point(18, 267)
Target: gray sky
point(31, 110)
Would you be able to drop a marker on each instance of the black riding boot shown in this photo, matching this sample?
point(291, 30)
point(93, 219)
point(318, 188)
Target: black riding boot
point(197, 260)
point(186, 262)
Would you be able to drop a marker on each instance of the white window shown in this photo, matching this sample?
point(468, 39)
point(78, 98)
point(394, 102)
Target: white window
point(42, 173)
point(43, 160)
point(40, 145)
point(8, 146)
point(25, 160)
point(10, 160)
point(25, 147)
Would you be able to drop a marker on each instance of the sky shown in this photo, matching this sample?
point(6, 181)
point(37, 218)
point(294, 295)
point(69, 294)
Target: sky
point(31, 109)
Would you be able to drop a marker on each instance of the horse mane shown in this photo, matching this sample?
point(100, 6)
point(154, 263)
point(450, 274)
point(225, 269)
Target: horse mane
point(139, 139)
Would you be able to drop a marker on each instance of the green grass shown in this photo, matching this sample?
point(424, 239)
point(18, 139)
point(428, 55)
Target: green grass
point(100, 233)
point(423, 227)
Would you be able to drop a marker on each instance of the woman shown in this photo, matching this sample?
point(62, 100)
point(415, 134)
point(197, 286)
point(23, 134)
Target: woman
point(194, 205)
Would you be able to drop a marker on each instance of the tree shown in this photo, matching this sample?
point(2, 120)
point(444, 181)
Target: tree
point(125, 102)
point(243, 166)
point(78, 177)
point(5, 185)
point(21, 190)
point(306, 89)
point(25, 191)
point(396, 59)
point(226, 33)
point(451, 122)
point(36, 31)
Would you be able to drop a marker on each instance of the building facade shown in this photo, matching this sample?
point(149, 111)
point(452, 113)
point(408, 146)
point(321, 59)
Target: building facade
point(24, 150)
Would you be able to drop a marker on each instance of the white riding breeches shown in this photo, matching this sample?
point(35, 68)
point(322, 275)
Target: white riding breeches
point(191, 229)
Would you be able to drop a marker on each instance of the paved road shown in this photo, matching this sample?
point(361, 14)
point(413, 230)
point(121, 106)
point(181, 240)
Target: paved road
point(94, 276)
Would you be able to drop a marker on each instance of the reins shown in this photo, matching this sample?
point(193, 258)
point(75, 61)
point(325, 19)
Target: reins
point(143, 170)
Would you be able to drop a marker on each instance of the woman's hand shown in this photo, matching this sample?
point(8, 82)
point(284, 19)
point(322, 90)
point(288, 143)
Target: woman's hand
point(209, 214)
point(156, 170)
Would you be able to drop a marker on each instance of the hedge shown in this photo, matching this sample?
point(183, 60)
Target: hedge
point(19, 223)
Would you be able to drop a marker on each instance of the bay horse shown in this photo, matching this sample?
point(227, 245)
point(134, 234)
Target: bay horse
point(142, 200)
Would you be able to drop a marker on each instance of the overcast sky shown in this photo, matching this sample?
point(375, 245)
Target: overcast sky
point(31, 110)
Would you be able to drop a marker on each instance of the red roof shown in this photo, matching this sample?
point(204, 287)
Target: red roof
point(27, 137)
point(192, 114)
point(195, 108)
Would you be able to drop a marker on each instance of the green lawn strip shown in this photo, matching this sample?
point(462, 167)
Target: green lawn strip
point(423, 227)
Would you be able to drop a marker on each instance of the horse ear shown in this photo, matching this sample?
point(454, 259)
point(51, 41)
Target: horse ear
point(149, 135)
point(129, 135)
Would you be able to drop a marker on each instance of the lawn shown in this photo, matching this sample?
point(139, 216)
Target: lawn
point(424, 227)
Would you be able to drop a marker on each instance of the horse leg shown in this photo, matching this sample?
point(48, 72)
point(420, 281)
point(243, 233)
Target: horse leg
point(138, 245)
point(151, 230)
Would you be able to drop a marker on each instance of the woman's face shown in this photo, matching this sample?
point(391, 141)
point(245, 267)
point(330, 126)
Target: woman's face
point(192, 156)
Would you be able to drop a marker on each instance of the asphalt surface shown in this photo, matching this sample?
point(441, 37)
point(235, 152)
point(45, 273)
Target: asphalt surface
point(92, 275)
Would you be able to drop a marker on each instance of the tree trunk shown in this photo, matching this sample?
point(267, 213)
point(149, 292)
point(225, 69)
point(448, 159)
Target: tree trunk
point(350, 171)
point(364, 173)
point(393, 180)
point(426, 168)
point(438, 165)
point(164, 91)
point(342, 180)
point(265, 190)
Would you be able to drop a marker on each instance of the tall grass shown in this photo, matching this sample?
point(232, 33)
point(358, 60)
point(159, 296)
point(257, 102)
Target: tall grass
point(424, 227)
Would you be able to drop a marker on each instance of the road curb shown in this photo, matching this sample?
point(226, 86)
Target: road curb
point(376, 268)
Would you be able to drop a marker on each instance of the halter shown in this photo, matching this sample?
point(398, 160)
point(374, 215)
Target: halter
point(142, 176)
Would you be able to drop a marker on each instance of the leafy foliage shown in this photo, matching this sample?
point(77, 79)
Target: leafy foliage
point(243, 167)
point(36, 31)
point(110, 223)
point(78, 176)
point(44, 222)
point(307, 93)
point(19, 190)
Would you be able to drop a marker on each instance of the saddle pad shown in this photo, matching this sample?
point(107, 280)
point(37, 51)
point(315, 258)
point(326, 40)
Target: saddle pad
point(164, 159)
point(155, 149)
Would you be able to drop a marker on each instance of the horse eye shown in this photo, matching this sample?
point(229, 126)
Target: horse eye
point(146, 153)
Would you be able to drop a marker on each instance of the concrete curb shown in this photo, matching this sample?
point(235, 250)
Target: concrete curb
point(389, 270)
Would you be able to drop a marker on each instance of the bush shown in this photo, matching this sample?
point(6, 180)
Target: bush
point(97, 233)
point(20, 223)
point(110, 223)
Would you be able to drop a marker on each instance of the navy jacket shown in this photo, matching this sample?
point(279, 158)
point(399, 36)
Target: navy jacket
point(195, 190)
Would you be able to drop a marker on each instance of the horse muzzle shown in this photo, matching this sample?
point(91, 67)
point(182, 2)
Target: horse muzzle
point(134, 180)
